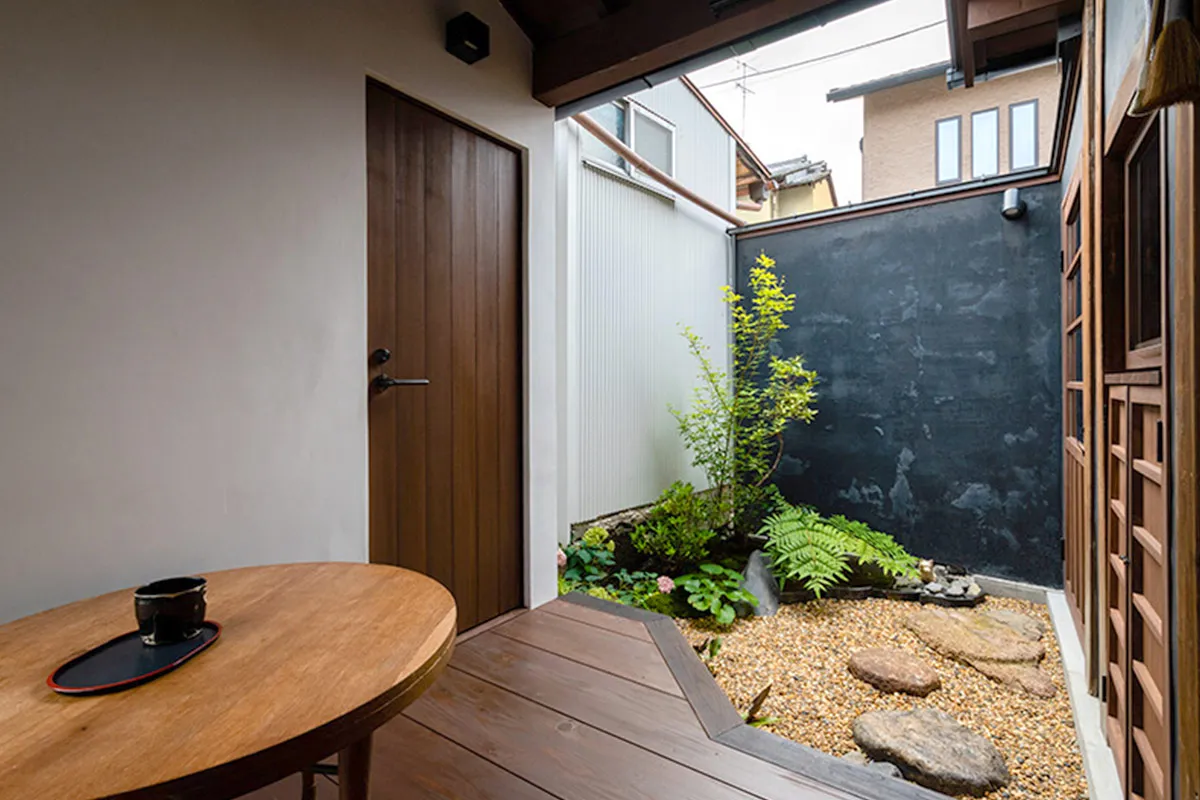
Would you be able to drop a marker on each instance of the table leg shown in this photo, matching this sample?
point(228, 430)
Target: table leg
point(354, 770)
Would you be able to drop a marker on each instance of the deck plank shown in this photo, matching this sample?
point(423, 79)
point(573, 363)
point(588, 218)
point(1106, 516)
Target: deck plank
point(563, 756)
point(613, 653)
point(664, 725)
point(411, 761)
point(598, 619)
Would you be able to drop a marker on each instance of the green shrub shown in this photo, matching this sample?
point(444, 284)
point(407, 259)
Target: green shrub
point(590, 558)
point(736, 422)
point(601, 593)
point(715, 590)
point(815, 551)
point(678, 528)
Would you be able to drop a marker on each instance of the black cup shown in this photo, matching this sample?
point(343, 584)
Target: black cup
point(170, 610)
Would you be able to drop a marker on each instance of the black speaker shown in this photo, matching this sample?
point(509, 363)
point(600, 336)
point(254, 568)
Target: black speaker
point(468, 38)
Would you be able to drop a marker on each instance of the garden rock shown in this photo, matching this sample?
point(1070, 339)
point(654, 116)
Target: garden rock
point(934, 588)
point(932, 749)
point(760, 582)
point(968, 636)
point(1024, 626)
point(999, 645)
point(894, 671)
point(859, 759)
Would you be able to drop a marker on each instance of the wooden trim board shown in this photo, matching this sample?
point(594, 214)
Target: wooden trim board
point(723, 724)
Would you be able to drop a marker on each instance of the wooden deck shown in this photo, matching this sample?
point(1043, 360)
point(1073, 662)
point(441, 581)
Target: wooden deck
point(581, 699)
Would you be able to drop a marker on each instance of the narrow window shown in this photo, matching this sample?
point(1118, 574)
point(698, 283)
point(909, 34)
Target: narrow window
point(613, 117)
point(949, 150)
point(1145, 255)
point(1023, 135)
point(985, 143)
point(654, 140)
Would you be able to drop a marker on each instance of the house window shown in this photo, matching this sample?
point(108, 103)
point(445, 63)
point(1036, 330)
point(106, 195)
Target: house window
point(1023, 135)
point(985, 143)
point(654, 139)
point(1144, 240)
point(949, 150)
point(614, 118)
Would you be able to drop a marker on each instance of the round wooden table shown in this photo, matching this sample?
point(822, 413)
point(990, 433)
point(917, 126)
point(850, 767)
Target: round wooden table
point(312, 659)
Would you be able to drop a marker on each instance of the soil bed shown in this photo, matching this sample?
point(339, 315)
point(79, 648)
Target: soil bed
point(803, 651)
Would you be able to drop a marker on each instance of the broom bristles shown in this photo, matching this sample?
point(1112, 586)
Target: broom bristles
point(1173, 71)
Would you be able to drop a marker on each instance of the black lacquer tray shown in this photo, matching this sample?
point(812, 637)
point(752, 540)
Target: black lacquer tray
point(126, 661)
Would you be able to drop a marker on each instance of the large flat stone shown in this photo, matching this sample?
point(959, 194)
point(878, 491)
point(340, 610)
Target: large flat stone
point(894, 671)
point(968, 636)
point(1003, 645)
point(932, 749)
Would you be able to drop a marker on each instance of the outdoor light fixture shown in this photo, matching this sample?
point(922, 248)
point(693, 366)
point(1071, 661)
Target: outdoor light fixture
point(1014, 206)
point(468, 37)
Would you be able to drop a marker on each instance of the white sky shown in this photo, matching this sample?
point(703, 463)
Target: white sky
point(787, 116)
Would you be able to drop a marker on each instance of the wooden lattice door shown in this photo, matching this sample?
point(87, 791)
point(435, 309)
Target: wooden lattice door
point(1138, 611)
point(1077, 528)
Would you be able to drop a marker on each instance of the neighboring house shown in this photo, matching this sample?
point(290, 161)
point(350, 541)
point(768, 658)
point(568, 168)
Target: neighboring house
point(639, 262)
point(800, 187)
point(919, 133)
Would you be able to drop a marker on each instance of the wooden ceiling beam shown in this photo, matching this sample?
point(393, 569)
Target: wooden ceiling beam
point(645, 36)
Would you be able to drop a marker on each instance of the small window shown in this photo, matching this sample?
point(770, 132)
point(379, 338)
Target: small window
point(1144, 267)
point(613, 117)
point(985, 143)
point(949, 150)
point(654, 139)
point(1023, 135)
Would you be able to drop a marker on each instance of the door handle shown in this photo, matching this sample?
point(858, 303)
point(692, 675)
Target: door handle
point(384, 382)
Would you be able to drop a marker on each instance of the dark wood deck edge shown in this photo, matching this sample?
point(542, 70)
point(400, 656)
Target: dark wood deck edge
point(822, 767)
point(723, 723)
point(716, 714)
point(609, 607)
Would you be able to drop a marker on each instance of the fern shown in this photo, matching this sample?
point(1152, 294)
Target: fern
point(809, 549)
point(806, 549)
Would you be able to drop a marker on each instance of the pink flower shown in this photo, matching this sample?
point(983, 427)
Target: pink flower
point(665, 584)
point(562, 558)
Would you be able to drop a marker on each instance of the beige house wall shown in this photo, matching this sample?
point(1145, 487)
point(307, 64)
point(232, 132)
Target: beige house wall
point(899, 126)
point(791, 202)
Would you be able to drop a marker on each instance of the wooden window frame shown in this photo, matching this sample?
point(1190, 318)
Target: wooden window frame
point(1147, 355)
point(937, 151)
point(1012, 137)
point(974, 116)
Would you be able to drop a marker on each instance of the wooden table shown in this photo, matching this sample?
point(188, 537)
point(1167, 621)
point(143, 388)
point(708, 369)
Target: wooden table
point(312, 658)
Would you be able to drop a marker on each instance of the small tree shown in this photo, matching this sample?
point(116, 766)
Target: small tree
point(737, 419)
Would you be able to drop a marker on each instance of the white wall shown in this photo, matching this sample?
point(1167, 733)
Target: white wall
point(183, 279)
point(638, 265)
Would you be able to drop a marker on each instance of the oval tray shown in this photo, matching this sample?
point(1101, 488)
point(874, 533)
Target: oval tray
point(125, 662)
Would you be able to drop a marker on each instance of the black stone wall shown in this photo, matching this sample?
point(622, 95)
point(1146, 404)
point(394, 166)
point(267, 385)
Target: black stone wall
point(935, 332)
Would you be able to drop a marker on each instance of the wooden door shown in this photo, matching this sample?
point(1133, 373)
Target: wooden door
point(1077, 516)
point(444, 306)
point(1138, 649)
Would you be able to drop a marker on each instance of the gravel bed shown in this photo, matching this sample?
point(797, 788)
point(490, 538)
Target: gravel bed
point(803, 650)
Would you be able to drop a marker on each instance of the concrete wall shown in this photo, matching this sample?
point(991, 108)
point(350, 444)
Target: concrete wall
point(935, 332)
point(183, 280)
point(899, 141)
point(639, 263)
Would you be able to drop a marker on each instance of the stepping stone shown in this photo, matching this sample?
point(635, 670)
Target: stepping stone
point(894, 671)
point(933, 750)
point(967, 636)
point(859, 759)
point(1021, 624)
point(1004, 646)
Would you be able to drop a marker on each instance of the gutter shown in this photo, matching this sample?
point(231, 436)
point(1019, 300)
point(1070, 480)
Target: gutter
point(623, 150)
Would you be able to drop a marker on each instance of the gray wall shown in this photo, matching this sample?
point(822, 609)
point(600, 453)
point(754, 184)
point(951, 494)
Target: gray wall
point(935, 331)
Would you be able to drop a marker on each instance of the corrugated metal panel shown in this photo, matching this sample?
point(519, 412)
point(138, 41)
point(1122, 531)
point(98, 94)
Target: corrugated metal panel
point(644, 265)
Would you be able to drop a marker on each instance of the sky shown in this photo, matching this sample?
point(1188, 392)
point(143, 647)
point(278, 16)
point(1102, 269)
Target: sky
point(785, 114)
